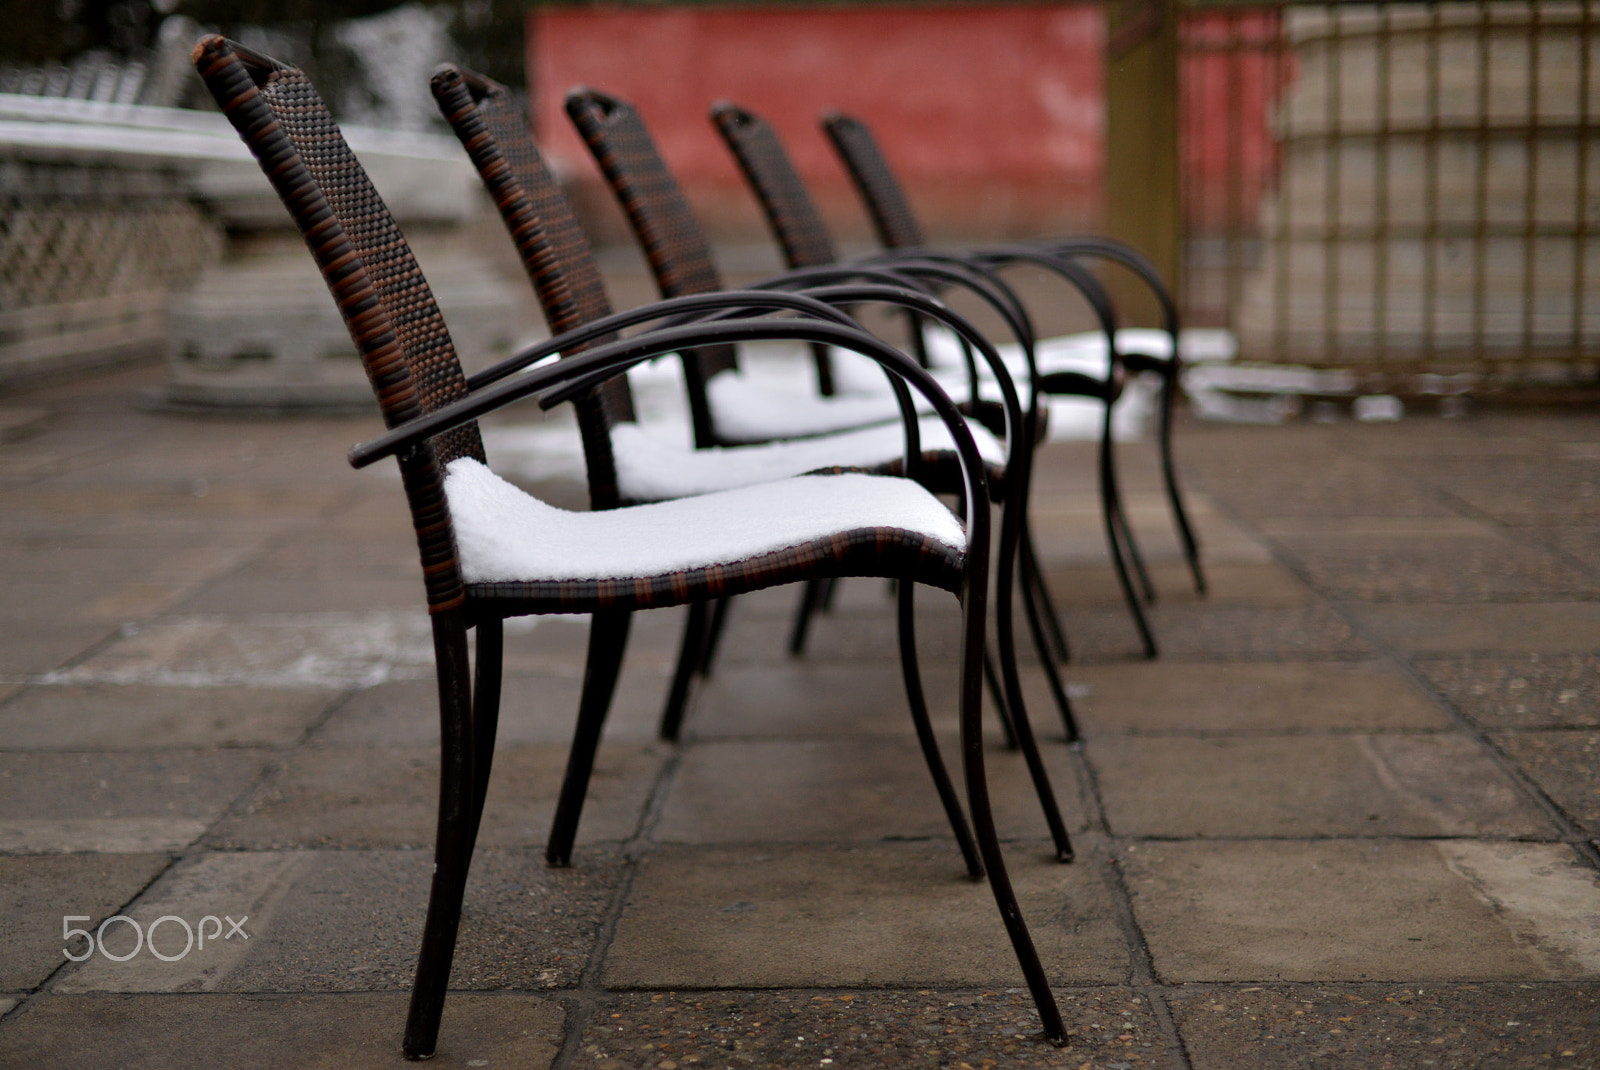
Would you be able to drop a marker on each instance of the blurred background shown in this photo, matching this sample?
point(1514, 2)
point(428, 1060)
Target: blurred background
point(1402, 193)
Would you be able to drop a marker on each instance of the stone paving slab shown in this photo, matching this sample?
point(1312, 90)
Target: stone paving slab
point(1096, 585)
point(859, 791)
point(1519, 691)
point(1298, 696)
point(1581, 544)
point(790, 1030)
point(118, 801)
point(373, 797)
point(802, 916)
point(1220, 633)
point(312, 1031)
point(1502, 627)
point(351, 921)
point(1446, 566)
point(533, 709)
point(1565, 765)
point(1357, 910)
point(141, 717)
point(38, 891)
point(807, 698)
point(1423, 784)
point(31, 646)
point(1402, 1026)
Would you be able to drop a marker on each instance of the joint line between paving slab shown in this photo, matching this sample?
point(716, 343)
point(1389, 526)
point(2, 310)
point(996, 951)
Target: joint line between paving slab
point(61, 970)
point(584, 998)
point(1140, 959)
point(1569, 832)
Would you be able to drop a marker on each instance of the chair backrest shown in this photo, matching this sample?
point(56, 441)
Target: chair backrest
point(674, 243)
point(557, 258)
point(791, 213)
point(368, 267)
point(875, 182)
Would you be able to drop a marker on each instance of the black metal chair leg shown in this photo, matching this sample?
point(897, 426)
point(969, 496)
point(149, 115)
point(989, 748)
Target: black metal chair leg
point(1169, 472)
point(930, 747)
point(1033, 574)
point(1110, 510)
point(811, 602)
point(608, 637)
point(1005, 639)
point(452, 853)
point(485, 712)
point(997, 692)
point(1052, 675)
point(690, 656)
point(971, 703)
point(719, 619)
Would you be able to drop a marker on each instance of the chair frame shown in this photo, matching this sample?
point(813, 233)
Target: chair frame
point(798, 227)
point(495, 134)
point(896, 226)
point(431, 412)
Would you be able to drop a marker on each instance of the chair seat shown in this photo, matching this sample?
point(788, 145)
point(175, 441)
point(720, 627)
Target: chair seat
point(746, 410)
point(650, 469)
point(514, 546)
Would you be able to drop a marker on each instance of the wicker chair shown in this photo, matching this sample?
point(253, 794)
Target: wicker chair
point(495, 133)
point(801, 234)
point(489, 551)
point(680, 258)
point(897, 228)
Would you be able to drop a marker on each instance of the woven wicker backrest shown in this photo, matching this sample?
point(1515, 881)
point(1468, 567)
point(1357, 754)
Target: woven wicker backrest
point(368, 268)
point(790, 211)
point(673, 241)
point(880, 191)
point(557, 258)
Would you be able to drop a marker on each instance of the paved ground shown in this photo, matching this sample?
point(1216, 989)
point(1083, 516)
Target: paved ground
point(1346, 820)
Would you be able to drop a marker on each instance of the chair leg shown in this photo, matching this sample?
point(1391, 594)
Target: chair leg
point(997, 692)
point(971, 701)
point(1111, 511)
point(1005, 639)
point(1052, 675)
point(1169, 472)
point(719, 620)
point(691, 654)
point(812, 602)
point(930, 747)
point(1032, 574)
point(485, 712)
point(453, 839)
point(608, 637)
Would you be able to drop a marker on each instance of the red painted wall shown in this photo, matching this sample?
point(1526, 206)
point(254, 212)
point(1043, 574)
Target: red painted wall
point(991, 113)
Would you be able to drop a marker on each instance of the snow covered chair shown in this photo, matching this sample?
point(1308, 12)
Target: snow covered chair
point(803, 236)
point(1139, 350)
point(490, 551)
point(680, 258)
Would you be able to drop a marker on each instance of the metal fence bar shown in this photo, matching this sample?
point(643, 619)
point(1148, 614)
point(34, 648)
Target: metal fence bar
point(1469, 125)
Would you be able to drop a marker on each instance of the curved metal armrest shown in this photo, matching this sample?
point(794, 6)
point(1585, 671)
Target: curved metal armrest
point(675, 311)
point(907, 272)
point(850, 294)
point(618, 356)
point(588, 372)
point(1130, 258)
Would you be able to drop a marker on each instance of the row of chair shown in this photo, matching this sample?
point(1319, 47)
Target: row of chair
point(781, 490)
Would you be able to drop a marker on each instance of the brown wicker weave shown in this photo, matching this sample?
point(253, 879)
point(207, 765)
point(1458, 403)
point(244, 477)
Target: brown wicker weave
point(425, 400)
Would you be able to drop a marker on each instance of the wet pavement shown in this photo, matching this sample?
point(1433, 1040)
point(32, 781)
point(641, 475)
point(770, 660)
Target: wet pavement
point(1346, 820)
